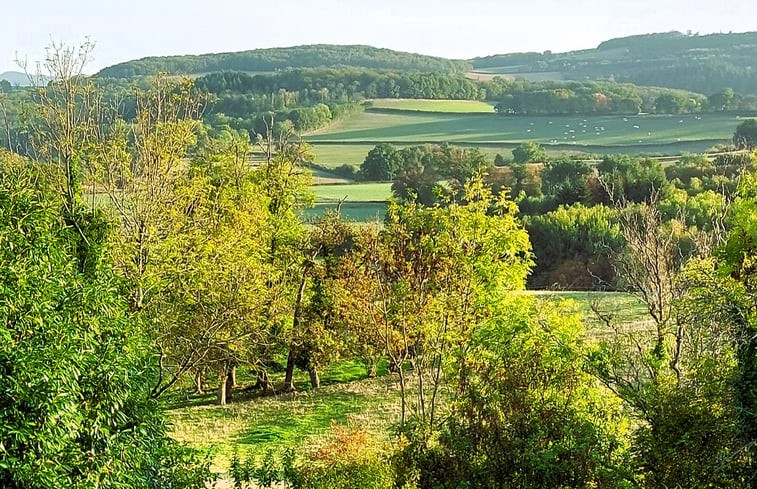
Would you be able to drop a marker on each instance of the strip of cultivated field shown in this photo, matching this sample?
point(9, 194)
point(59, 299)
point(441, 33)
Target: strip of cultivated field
point(608, 132)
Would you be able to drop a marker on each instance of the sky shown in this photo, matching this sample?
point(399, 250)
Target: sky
point(128, 29)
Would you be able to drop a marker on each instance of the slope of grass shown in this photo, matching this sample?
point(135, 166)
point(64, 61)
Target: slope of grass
point(623, 307)
point(253, 425)
point(357, 212)
point(654, 132)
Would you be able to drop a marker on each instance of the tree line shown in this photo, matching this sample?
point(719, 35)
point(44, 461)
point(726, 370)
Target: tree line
point(274, 59)
point(700, 63)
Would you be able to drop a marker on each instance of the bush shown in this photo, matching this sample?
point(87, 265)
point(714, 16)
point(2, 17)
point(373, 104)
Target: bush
point(527, 416)
point(349, 459)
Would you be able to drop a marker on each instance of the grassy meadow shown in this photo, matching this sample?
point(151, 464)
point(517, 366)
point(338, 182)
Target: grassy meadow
point(619, 134)
point(361, 202)
point(253, 424)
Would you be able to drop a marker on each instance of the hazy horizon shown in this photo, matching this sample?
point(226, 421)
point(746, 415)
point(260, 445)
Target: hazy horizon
point(124, 31)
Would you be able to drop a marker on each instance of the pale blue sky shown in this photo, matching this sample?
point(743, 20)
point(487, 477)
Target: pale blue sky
point(128, 29)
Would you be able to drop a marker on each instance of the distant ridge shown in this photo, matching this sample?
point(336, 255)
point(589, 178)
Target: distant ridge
point(15, 78)
point(273, 59)
point(700, 63)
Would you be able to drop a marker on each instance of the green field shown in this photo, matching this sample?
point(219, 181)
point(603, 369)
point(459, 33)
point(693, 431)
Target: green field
point(362, 202)
point(361, 212)
point(599, 134)
point(425, 105)
point(623, 307)
point(252, 425)
point(357, 192)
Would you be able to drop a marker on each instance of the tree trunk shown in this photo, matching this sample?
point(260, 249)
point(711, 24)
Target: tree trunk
point(403, 398)
point(289, 376)
point(263, 382)
point(233, 376)
point(229, 386)
point(372, 368)
point(199, 379)
point(222, 390)
point(315, 380)
point(225, 387)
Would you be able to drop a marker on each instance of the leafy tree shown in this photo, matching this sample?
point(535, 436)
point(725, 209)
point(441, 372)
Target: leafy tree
point(745, 136)
point(285, 188)
point(526, 415)
point(425, 281)
point(382, 163)
point(721, 100)
point(77, 367)
point(529, 152)
point(678, 376)
point(573, 246)
point(566, 179)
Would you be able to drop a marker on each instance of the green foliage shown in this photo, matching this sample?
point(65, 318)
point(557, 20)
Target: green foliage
point(381, 164)
point(274, 59)
point(526, 415)
point(529, 153)
point(737, 259)
point(566, 179)
point(77, 369)
point(705, 64)
point(347, 459)
point(630, 180)
point(746, 134)
point(573, 246)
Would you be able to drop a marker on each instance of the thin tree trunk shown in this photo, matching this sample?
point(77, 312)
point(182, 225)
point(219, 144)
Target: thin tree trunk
point(372, 368)
point(224, 387)
point(315, 379)
point(233, 376)
point(263, 382)
point(289, 376)
point(199, 379)
point(403, 415)
point(222, 390)
point(229, 386)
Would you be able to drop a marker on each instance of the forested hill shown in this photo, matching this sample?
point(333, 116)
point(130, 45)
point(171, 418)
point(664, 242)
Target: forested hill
point(267, 60)
point(704, 64)
point(15, 78)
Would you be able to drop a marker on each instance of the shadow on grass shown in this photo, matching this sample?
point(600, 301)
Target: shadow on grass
point(341, 372)
point(296, 417)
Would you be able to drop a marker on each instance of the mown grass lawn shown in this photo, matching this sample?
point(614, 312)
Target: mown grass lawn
point(252, 425)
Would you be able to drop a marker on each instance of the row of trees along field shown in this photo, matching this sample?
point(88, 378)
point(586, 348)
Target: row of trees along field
point(237, 90)
point(138, 256)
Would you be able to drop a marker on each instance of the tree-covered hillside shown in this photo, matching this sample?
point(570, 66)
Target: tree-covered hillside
point(705, 64)
point(265, 60)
